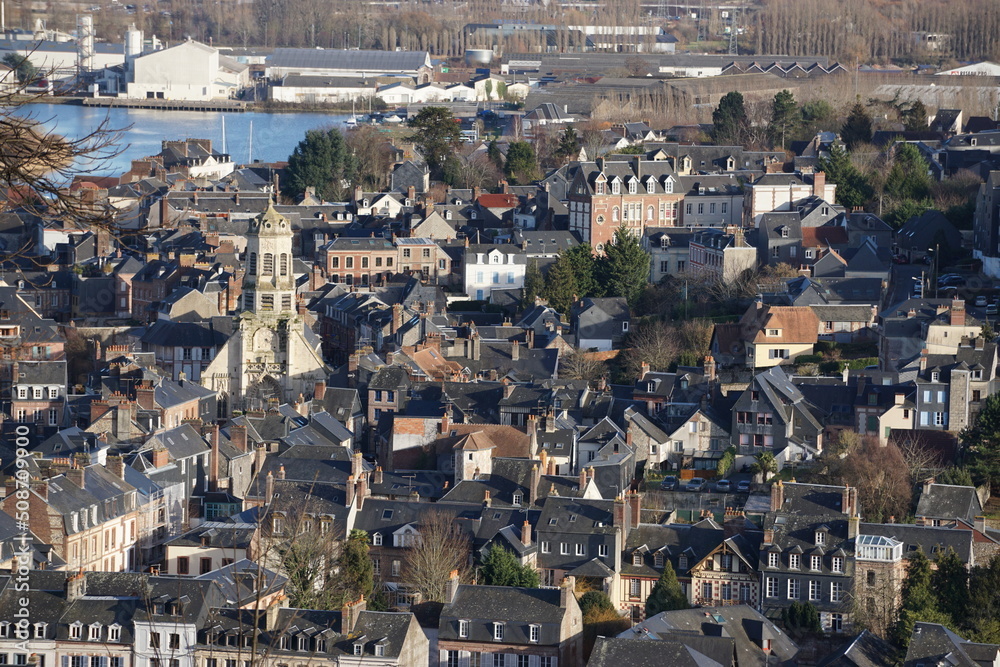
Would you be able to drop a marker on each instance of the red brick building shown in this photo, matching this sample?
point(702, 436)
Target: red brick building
point(608, 193)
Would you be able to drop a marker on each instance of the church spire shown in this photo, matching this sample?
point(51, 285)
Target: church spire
point(268, 283)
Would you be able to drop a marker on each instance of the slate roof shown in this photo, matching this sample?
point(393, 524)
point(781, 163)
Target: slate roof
point(948, 501)
point(865, 650)
point(516, 607)
point(386, 628)
point(617, 651)
point(373, 61)
point(933, 644)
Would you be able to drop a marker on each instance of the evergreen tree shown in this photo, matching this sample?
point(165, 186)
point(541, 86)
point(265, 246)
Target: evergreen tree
point(983, 605)
point(625, 266)
point(729, 120)
point(915, 117)
point(24, 69)
point(522, 164)
point(501, 568)
point(581, 257)
point(534, 285)
point(918, 600)
point(322, 161)
point(908, 179)
point(950, 583)
point(785, 117)
point(494, 154)
point(594, 603)
point(438, 136)
point(357, 576)
point(667, 594)
point(561, 287)
point(853, 188)
point(857, 129)
point(569, 144)
point(981, 444)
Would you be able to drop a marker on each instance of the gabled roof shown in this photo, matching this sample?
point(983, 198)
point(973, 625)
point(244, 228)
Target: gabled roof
point(947, 501)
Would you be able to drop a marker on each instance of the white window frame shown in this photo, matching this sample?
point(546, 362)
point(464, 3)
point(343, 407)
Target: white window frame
point(463, 629)
point(534, 632)
point(498, 631)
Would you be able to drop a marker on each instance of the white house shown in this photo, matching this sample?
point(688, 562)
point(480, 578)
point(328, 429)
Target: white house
point(189, 71)
point(493, 267)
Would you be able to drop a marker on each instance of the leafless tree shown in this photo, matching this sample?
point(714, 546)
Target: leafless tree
point(919, 459)
point(439, 550)
point(653, 343)
point(477, 170)
point(592, 139)
point(580, 365)
point(373, 154)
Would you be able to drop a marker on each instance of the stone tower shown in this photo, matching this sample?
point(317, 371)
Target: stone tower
point(273, 356)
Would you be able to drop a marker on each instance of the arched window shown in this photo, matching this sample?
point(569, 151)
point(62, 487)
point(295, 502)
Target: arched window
point(614, 214)
point(268, 264)
point(283, 263)
point(649, 213)
point(252, 269)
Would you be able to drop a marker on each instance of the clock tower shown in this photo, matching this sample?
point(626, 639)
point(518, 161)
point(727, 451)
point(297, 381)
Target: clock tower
point(273, 356)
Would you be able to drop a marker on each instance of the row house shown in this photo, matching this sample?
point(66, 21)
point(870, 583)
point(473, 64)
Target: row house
point(807, 552)
point(668, 249)
point(951, 388)
point(722, 255)
point(493, 267)
point(38, 392)
point(714, 200)
point(773, 415)
point(779, 192)
point(150, 285)
point(88, 515)
point(183, 349)
point(633, 192)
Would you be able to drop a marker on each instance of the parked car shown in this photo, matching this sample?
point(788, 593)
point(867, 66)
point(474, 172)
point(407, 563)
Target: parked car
point(695, 484)
point(981, 302)
point(991, 309)
point(723, 486)
point(743, 486)
point(669, 483)
point(900, 259)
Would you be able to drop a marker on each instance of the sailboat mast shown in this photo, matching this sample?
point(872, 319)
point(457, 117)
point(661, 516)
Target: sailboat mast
point(250, 152)
point(224, 151)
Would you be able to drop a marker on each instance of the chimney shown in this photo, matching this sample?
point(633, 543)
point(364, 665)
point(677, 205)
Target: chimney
point(362, 490)
point(213, 459)
point(268, 487)
point(709, 370)
point(397, 317)
point(451, 588)
point(923, 359)
point(853, 526)
point(446, 419)
point(543, 456)
point(566, 590)
point(349, 500)
point(76, 475)
point(819, 184)
point(769, 536)
point(353, 361)
point(550, 421)
point(76, 586)
point(515, 353)
point(635, 504)
point(281, 473)
point(378, 474)
point(536, 477)
point(526, 533)
point(583, 479)
point(145, 396)
point(926, 486)
point(238, 436)
point(356, 465)
point(529, 338)
point(849, 501)
point(508, 388)
point(319, 390)
point(358, 194)
point(957, 313)
point(116, 466)
point(777, 496)
point(350, 613)
point(98, 409)
point(272, 616)
point(487, 500)
point(411, 193)
point(622, 516)
point(643, 370)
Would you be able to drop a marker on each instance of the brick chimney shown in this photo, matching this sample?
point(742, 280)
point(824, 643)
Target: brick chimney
point(622, 516)
point(76, 586)
point(349, 499)
point(98, 409)
point(566, 590)
point(397, 317)
point(536, 477)
point(350, 613)
point(487, 500)
point(710, 368)
point(644, 370)
point(819, 183)
point(777, 495)
point(508, 388)
point(76, 475)
point(446, 420)
point(268, 487)
point(238, 436)
point(849, 500)
point(319, 390)
point(451, 588)
point(634, 501)
point(377, 475)
point(515, 352)
point(526, 533)
point(145, 396)
point(161, 457)
point(583, 479)
point(116, 466)
point(957, 313)
point(356, 465)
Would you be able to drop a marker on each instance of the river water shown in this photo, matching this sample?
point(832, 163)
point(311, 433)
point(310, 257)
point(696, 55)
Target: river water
point(275, 135)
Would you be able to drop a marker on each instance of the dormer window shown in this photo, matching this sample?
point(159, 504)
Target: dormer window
point(76, 630)
point(4, 629)
point(364, 203)
point(658, 560)
point(534, 631)
point(668, 185)
point(377, 539)
point(447, 215)
point(636, 558)
point(632, 187)
point(379, 650)
point(784, 232)
point(682, 562)
point(498, 631)
point(935, 376)
point(40, 630)
point(599, 188)
point(302, 643)
point(820, 538)
point(517, 499)
point(774, 332)
point(358, 648)
point(94, 633)
point(650, 186)
point(616, 187)
point(463, 629)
